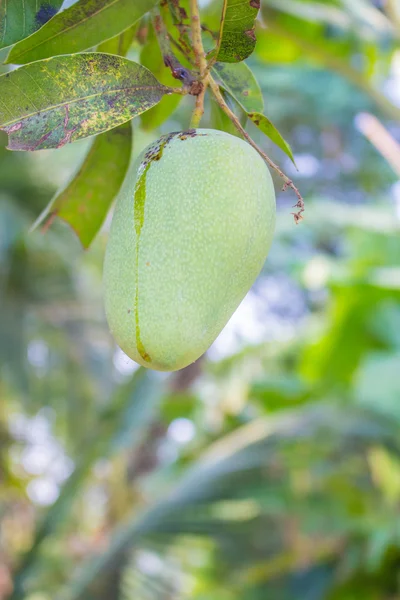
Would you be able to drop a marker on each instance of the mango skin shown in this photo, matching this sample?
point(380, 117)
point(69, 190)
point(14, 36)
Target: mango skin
point(191, 230)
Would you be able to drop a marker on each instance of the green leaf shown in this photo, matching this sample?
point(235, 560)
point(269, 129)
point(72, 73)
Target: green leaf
point(240, 82)
point(50, 103)
point(152, 59)
point(82, 26)
point(18, 22)
point(237, 37)
point(219, 120)
point(84, 203)
point(120, 44)
point(271, 131)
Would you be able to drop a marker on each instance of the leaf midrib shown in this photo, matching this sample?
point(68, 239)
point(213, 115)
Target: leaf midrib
point(68, 102)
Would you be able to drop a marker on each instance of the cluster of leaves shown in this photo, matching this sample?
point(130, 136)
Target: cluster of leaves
point(65, 92)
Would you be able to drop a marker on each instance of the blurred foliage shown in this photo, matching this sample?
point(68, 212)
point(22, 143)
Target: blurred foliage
point(271, 467)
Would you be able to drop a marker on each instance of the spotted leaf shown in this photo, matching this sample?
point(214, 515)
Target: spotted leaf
point(49, 103)
point(237, 38)
point(239, 81)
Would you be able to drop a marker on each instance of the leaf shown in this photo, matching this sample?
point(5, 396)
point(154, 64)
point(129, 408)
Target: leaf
point(240, 82)
point(85, 201)
point(219, 120)
point(271, 131)
point(50, 103)
point(82, 26)
point(151, 58)
point(18, 22)
point(120, 44)
point(237, 37)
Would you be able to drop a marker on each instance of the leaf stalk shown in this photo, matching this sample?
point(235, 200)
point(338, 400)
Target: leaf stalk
point(288, 183)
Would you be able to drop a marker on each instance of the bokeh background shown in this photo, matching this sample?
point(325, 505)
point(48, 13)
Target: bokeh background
point(269, 469)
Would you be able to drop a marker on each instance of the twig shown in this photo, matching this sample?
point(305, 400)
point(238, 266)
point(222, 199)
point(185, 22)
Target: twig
point(182, 91)
point(201, 62)
point(177, 69)
point(197, 42)
point(199, 108)
point(288, 183)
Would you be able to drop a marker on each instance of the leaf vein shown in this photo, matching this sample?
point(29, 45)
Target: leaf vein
point(81, 99)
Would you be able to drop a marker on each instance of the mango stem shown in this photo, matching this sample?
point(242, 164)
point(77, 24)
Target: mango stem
point(197, 41)
point(199, 108)
point(201, 62)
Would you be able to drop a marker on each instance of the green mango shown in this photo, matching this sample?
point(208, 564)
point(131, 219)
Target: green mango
point(191, 230)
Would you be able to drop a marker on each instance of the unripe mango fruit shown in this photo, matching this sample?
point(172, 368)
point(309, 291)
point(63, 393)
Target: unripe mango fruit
point(191, 231)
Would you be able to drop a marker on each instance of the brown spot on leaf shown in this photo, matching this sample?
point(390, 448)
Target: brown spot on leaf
point(245, 92)
point(255, 4)
point(142, 34)
point(14, 127)
point(66, 119)
point(251, 34)
point(147, 264)
point(67, 137)
point(129, 311)
point(158, 23)
point(42, 139)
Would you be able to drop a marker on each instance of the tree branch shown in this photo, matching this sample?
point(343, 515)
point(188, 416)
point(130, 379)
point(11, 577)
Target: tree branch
point(199, 108)
point(201, 62)
point(197, 41)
